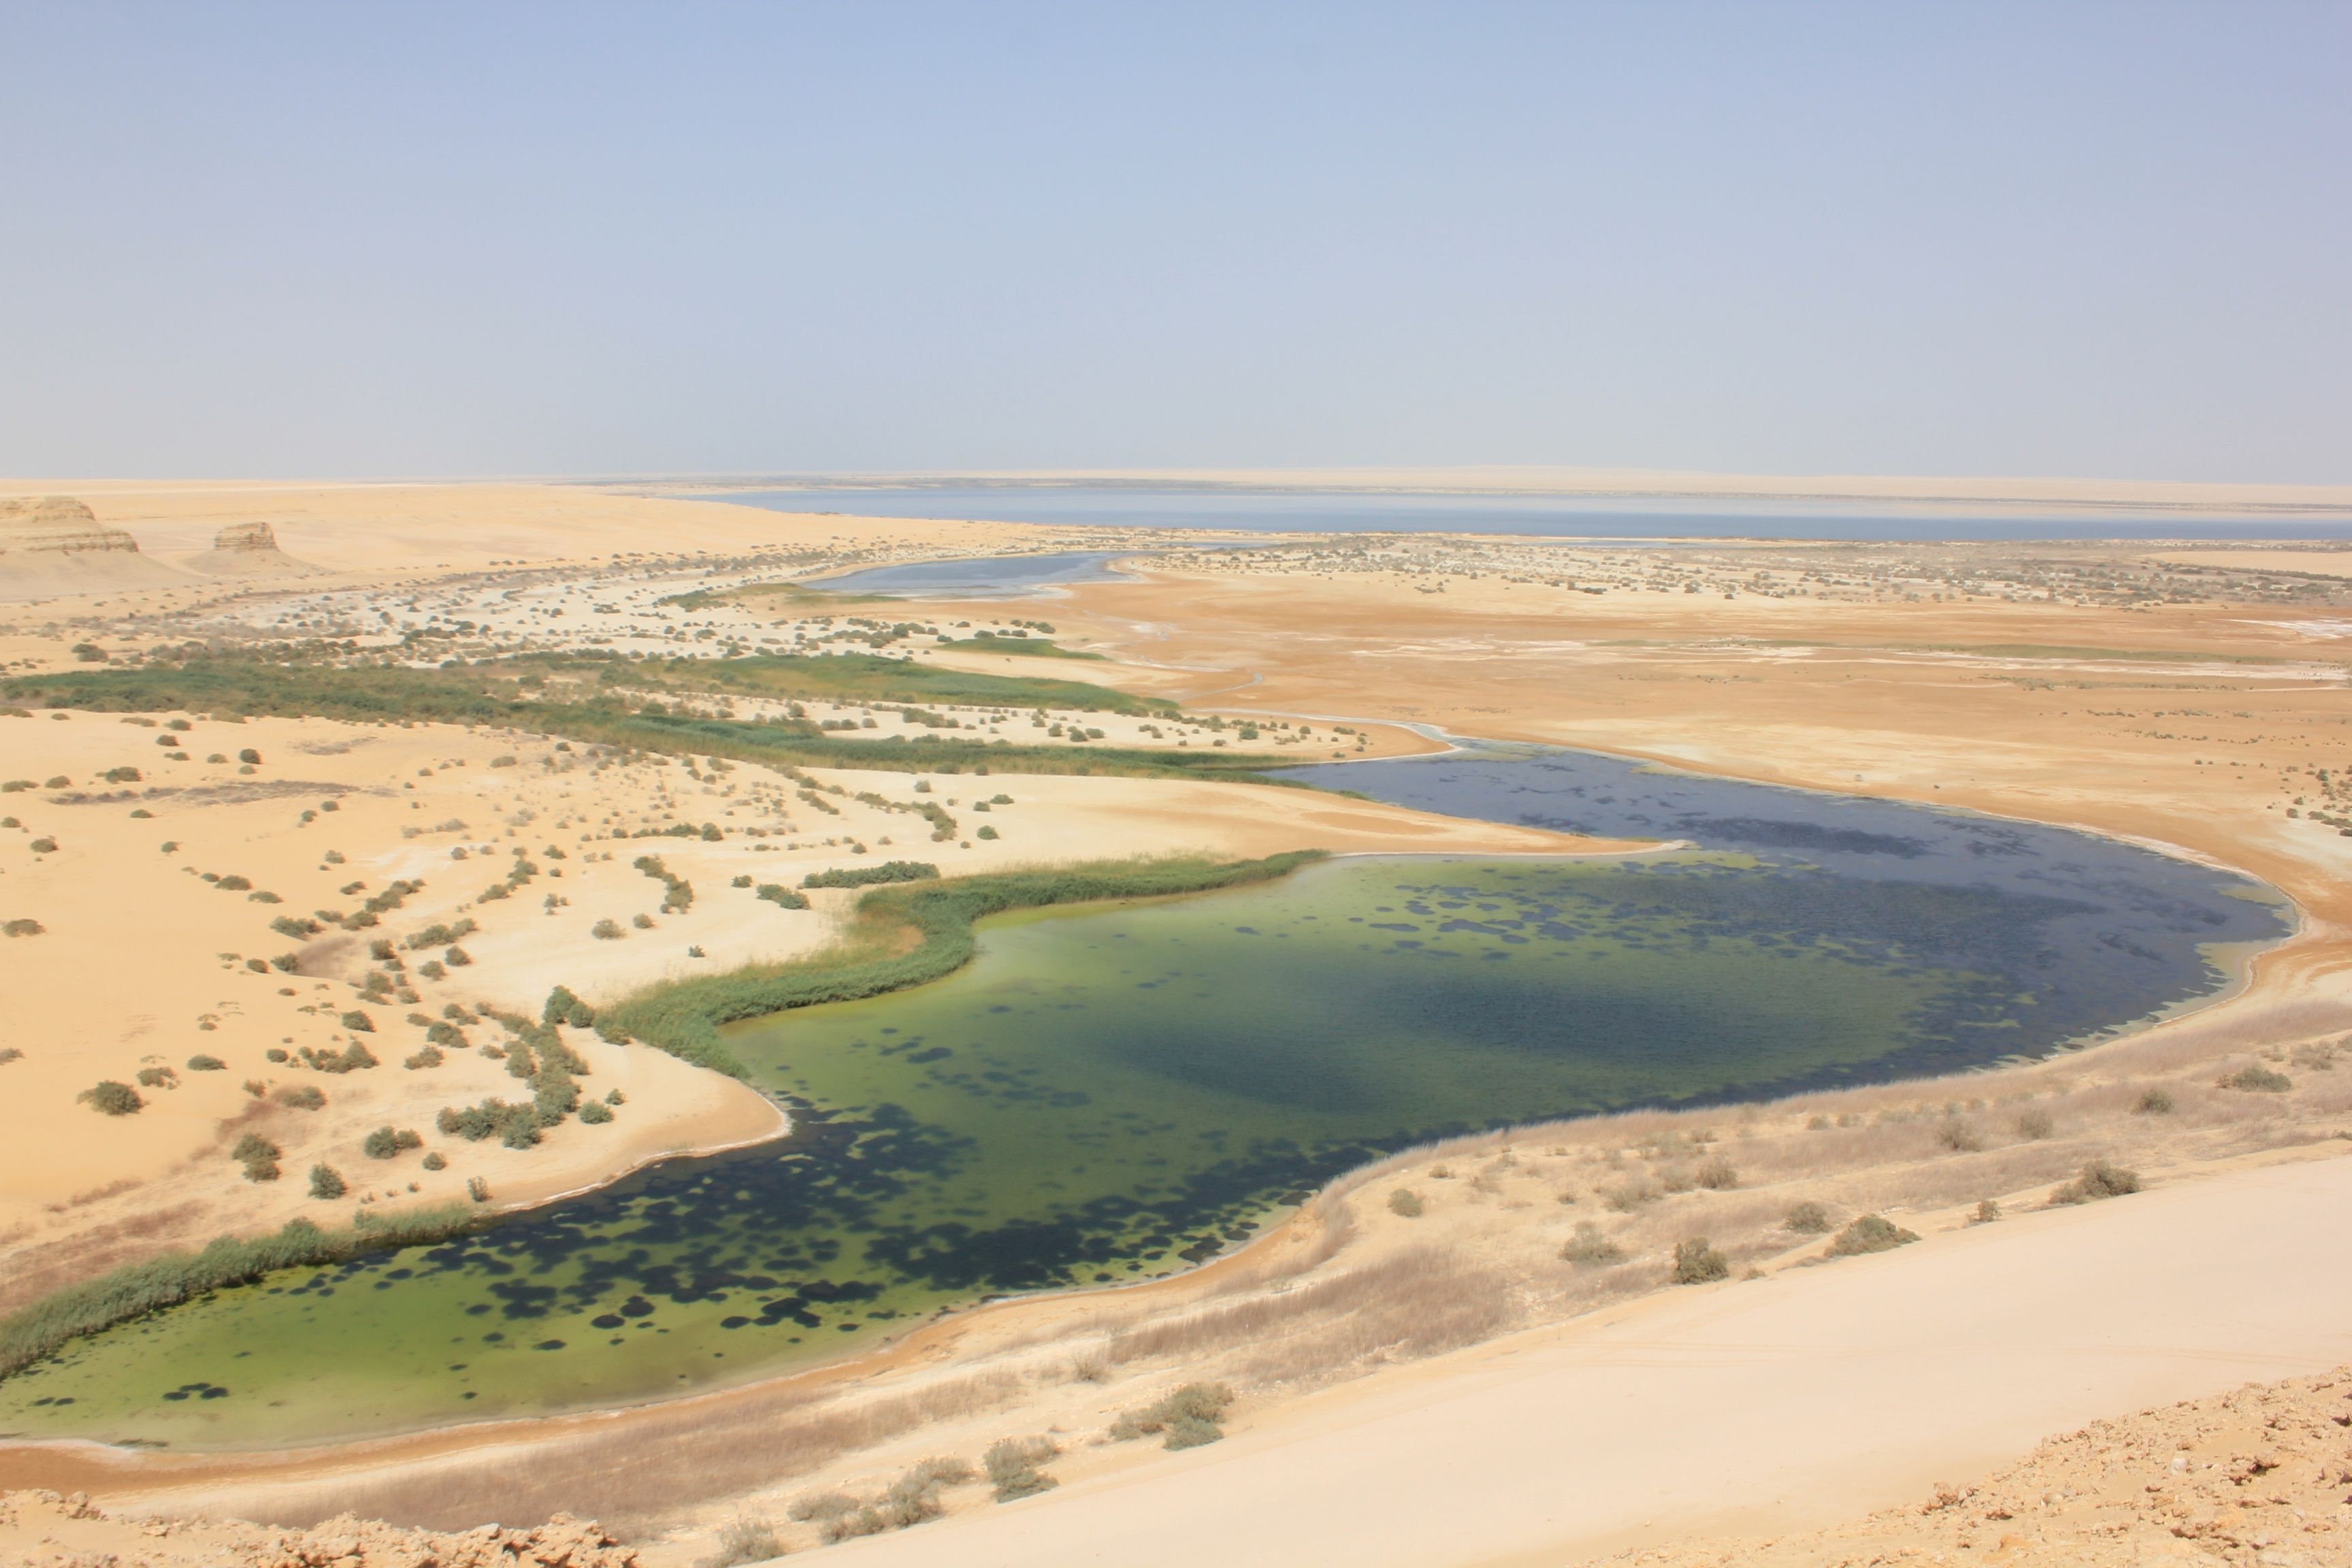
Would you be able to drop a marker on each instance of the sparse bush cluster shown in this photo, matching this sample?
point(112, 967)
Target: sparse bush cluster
point(678, 893)
point(259, 1157)
point(1189, 1416)
point(1012, 1467)
point(386, 1143)
point(869, 876)
point(1871, 1232)
point(912, 1500)
point(782, 897)
point(2256, 1079)
point(1589, 1248)
point(2099, 1180)
point(1697, 1263)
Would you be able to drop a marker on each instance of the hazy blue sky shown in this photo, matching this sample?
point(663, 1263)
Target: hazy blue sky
point(342, 239)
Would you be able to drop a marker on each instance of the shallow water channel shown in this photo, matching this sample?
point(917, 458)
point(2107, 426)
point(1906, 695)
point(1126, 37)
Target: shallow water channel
point(1112, 1092)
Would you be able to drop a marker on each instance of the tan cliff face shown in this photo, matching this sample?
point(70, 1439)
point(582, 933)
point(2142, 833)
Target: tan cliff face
point(245, 536)
point(57, 525)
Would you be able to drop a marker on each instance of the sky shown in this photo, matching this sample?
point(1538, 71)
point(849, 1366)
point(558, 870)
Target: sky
point(353, 240)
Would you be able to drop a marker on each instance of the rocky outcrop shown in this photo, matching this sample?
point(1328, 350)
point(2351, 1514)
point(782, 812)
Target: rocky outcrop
point(54, 546)
point(80, 1534)
point(57, 525)
point(246, 550)
point(250, 537)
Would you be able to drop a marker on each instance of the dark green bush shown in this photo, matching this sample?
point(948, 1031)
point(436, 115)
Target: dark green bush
point(778, 894)
point(594, 1113)
point(386, 1143)
point(1870, 1234)
point(869, 876)
point(1696, 1263)
point(111, 1097)
point(326, 1182)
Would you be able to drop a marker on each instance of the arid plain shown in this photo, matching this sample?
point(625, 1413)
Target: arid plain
point(1439, 1385)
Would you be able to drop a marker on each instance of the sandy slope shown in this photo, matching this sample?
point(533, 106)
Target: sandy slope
point(1765, 1405)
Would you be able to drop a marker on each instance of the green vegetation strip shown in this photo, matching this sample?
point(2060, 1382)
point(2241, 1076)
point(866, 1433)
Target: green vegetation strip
point(603, 702)
point(139, 1288)
point(682, 1017)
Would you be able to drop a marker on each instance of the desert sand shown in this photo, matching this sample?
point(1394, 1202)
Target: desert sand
point(2191, 700)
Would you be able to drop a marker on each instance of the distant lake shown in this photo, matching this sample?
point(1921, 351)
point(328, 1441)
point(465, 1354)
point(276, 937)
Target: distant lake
point(1553, 516)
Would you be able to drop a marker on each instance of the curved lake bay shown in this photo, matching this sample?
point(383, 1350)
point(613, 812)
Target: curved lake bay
point(1111, 1093)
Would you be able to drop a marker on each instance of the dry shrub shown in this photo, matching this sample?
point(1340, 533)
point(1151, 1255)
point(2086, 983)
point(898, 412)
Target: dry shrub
point(2098, 1180)
point(1588, 1249)
point(1870, 1234)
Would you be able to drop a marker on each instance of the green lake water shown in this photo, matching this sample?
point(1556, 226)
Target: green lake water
point(1107, 1094)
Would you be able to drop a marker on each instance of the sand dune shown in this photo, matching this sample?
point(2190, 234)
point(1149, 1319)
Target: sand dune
point(1762, 1406)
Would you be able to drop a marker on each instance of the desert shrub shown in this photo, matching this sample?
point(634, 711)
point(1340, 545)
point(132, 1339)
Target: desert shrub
point(386, 1143)
point(441, 1032)
point(607, 930)
point(233, 885)
point(778, 894)
point(1986, 1213)
point(816, 1508)
point(516, 1126)
point(2099, 1180)
point(985, 831)
point(1404, 1200)
point(258, 1155)
point(326, 1182)
point(1189, 1416)
point(425, 1056)
point(1870, 1234)
point(10, 1054)
point(563, 1007)
point(456, 958)
point(594, 1113)
point(1717, 1175)
point(1013, 1469)
point(744, 1540)
point(1959, 1136)
point(45, 846)
point(1696, 1263)
point(643, 922)
point(2154, 1102)
point(1808, 1219)
point(158, 1078)
point(295, 927)
point(2034, 1123)
point(432, 969)
point(1630, 1195)
point(300, 1097)
point(743, 881)
point(110, 1097)
point(434, 1161)
point(24, 928)
point(120, 775)
point(2255, 1079)
point(2316, 1057)
point(250, 757)
point(478, 1189)
point(351, 1059)
point(1588, 1249)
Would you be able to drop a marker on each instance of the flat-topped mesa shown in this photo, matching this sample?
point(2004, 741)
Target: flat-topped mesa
point(246, 550)
point(57, 525)
point(251, 537)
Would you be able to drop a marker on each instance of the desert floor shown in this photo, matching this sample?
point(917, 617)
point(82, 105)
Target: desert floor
point(2194, 699)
